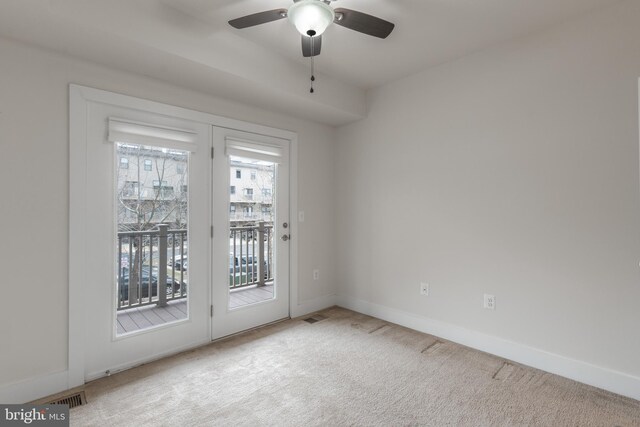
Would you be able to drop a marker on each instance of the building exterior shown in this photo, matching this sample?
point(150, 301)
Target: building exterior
point(153, 184)
point(251, 187)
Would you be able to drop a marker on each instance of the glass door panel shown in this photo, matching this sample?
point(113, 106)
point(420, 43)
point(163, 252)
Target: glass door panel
point(151, 199)
point(251, 214)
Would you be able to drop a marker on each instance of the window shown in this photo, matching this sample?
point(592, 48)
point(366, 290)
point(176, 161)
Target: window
point(232, 190)
point(147, 165)
point(162, 189)
point(266, 192)
point(180, 168)
point(124, 163)
point(253, 175)
point(137, 245)
point(238, 173)
point(248, 211)
point(130, 189)
point(232, 208)
point(248, 193)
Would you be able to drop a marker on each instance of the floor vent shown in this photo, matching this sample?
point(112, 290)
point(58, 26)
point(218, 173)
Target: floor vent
point(73, 400)
point(316, 318)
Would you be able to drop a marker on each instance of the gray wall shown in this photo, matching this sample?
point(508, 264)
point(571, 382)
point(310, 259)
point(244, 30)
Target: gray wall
point(513, 172)
point(34, 141)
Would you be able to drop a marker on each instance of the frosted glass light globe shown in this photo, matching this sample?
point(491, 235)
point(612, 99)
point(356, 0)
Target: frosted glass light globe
point(311, 17)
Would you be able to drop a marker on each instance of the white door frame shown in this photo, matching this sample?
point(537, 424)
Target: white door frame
point(79, 97)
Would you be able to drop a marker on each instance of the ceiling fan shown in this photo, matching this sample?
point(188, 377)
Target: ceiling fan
point(312, 17)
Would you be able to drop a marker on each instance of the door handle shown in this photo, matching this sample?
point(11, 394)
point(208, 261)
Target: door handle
point(285, 237)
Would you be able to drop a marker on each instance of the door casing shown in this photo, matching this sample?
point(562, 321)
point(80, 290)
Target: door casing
point(80, 97)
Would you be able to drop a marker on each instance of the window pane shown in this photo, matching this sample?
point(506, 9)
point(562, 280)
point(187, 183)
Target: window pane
point(152, 241)
point(251, 243)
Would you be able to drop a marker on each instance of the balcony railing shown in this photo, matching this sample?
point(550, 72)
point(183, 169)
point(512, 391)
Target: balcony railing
point(251, 255)
point(142, 265)
point(149, 258)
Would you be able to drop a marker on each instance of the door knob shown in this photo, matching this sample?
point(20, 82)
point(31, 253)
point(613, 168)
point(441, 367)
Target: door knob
point(285, 237)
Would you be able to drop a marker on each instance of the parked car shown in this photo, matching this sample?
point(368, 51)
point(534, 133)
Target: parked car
point(181, 263)
point(146, 277)
point(178, 260)
point(246, 269)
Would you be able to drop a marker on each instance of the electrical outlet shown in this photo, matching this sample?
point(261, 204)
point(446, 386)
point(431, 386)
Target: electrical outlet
point(316, 274)
point(489, 302)
point(424, 289)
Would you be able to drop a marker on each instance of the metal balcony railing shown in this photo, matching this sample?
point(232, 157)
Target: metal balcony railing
point(251, 255)
point(149, 258)
point(142, 266)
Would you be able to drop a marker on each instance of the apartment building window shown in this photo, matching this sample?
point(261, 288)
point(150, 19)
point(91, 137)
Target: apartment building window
point(124, 163)
point(253, 175)
point(130, 188)
point(232, 209)
point(248, 193)
point(162, 188)
point(180, 168)
point(266, 192)
point(148, 165)
point(248, 211)
point(232, 189)
point(238, 173)
point(184, 189)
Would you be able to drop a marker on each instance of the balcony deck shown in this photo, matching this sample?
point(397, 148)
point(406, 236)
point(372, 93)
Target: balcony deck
point(135, 319)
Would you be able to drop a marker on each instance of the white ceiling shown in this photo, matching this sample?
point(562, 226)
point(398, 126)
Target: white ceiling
point(189, 42)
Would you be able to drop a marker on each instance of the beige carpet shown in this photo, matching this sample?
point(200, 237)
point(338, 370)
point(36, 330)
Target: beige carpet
point(346, 370)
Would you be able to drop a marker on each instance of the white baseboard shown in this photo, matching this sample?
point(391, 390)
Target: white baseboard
point(316, 304)
point(597, 376)
point(34, 388)
point(124, 366)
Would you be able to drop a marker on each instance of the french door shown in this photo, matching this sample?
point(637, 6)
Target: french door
point(180, 231)
point(250, 285)
point(148, 202)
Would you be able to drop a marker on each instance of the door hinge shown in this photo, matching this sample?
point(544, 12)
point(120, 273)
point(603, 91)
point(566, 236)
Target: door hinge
point(212, 231)
point(211, 310)
point(212, 152)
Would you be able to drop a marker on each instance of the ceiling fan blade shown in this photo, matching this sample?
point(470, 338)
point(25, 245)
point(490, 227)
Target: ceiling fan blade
point(306, 46)
point(363, 23)
point(258, 18)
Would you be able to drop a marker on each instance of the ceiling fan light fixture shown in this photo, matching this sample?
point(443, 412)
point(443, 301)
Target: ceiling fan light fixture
point(311, 17)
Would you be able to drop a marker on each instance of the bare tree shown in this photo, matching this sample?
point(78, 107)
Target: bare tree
point(151, 189)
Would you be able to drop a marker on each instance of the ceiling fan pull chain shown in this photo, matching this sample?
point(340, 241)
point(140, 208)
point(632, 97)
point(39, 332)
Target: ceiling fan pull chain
point(313, 78)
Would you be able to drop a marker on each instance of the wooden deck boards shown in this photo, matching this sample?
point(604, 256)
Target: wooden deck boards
point(242, 297)
point(136, 319)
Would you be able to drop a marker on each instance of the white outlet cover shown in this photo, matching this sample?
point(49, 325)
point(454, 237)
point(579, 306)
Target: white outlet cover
point(424, 288)
point(489, 302)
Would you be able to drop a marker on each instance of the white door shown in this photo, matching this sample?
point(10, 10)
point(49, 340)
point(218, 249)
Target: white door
point(250, 285)
point(147, 286)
